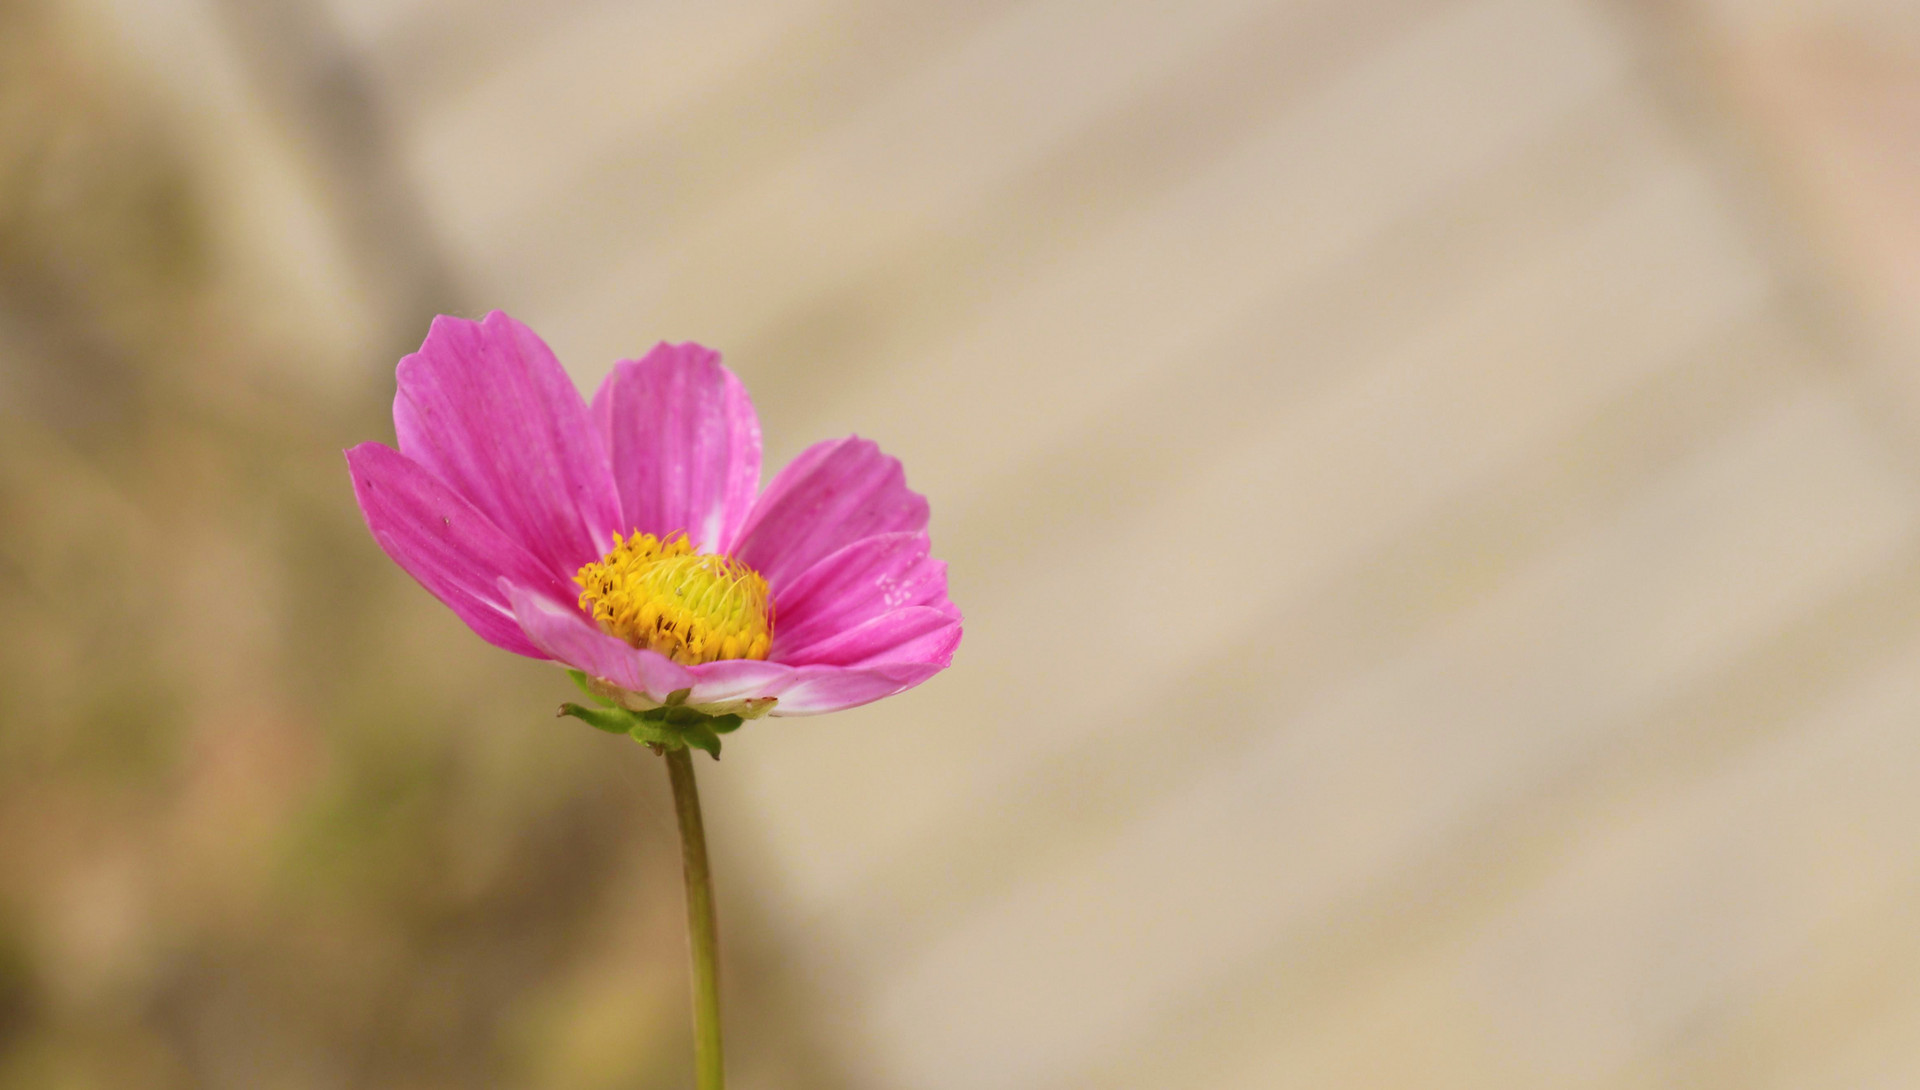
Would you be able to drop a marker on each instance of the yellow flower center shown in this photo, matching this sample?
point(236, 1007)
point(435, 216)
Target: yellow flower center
point(691, 607)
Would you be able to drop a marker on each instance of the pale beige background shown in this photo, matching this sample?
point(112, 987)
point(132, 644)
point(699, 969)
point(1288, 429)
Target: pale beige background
point(1434, 486)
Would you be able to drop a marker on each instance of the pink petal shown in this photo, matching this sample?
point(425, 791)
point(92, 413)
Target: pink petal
point(912, 634)
point(737, 679)
point(832, 495)
point(565, 634)
point(813, 690)
point(804, 690)
point(488, 409)
point(445, 543)
point(684, 442)
point(854, 585)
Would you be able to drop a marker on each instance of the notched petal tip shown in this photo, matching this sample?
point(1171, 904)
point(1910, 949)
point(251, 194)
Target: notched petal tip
point(834, 494)
point(683, 442)
point(486, 407)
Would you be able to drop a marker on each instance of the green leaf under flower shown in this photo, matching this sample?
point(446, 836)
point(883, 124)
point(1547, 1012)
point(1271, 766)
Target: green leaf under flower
point(701, 736)
point(611, 720)
point(671, 726)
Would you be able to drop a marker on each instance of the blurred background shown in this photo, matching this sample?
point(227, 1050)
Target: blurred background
point(1434, 485)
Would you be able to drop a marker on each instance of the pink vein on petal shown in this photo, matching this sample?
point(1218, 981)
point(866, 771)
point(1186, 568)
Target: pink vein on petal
point(487, 408)
point(855, 584)
point(835, 493)
point(560, 630)
point(445, 543)
point(684, 444)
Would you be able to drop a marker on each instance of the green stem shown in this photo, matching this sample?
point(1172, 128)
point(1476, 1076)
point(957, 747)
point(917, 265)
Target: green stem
point(702, 935)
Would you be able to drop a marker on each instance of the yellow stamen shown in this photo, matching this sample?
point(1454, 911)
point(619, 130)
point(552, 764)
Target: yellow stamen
point(691, 607)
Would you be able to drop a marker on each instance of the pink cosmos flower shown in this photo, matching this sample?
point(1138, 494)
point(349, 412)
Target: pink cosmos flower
point(631, 540)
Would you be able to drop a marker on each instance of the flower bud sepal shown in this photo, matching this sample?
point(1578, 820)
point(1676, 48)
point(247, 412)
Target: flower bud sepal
point(670, 726)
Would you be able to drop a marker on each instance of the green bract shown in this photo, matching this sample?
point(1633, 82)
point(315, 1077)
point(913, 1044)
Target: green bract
point(673, 725)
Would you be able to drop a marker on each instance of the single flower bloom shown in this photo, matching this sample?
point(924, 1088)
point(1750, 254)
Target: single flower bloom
point(631, 541)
